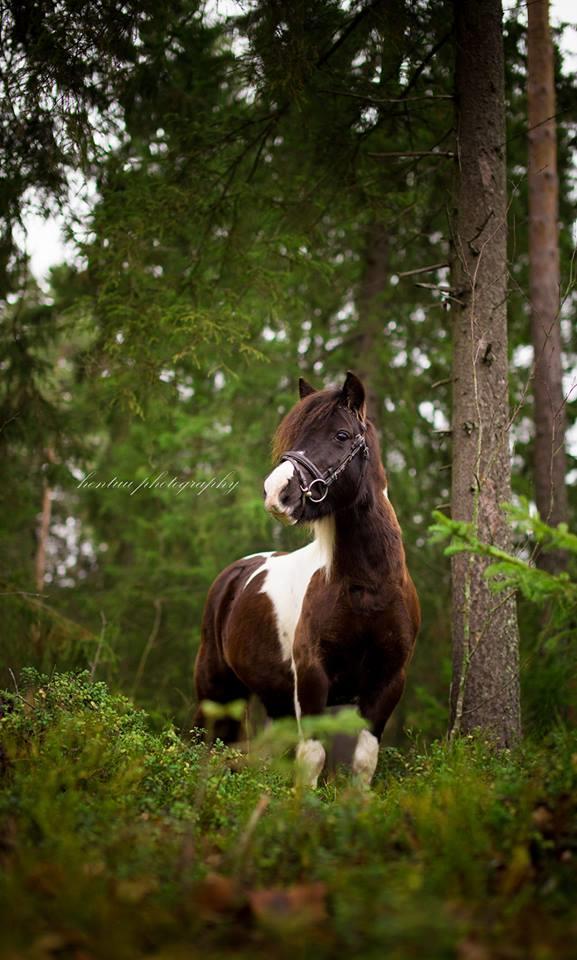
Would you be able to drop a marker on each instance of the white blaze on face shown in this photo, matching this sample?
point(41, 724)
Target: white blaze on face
point(274, 485)
point(365, 757)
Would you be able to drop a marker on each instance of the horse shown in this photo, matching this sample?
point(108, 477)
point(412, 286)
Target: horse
point(334, 622)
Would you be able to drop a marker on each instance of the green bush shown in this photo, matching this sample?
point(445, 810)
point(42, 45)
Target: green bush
point(118, 840)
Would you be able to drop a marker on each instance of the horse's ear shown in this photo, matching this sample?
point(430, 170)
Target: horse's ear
point(305, 388)
point(353, 395)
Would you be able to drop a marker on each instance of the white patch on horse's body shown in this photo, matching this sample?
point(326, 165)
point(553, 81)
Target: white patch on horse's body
point(274, 485)
point(261, 553)
point(365, 757)
point(296, 701)
point(288, 577)
point(386, 493)
point(310, 759)
point(259, 569)
point(325, 534)
point(286, 583)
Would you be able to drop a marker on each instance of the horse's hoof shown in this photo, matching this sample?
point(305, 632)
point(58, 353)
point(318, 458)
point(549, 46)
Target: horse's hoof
point(310, 760)
point(365, 758)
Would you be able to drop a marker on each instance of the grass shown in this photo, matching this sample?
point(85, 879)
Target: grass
point(118, 840)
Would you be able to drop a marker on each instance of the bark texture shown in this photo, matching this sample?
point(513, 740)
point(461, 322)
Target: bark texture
point(485, 689)
point(549, 409)
point(43, 530)
point(370, 304)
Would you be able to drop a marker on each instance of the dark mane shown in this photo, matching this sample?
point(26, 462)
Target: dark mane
point(377, 471)
point(316, 408)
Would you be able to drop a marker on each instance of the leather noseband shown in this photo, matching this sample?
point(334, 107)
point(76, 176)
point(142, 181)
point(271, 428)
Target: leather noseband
point(299, 460)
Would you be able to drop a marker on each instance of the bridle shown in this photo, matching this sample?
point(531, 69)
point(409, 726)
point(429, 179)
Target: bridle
point(298, 459)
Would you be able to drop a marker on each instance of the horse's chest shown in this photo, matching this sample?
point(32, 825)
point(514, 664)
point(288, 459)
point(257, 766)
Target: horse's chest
point(343, 666)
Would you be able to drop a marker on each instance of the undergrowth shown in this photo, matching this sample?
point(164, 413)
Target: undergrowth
point(117, 840)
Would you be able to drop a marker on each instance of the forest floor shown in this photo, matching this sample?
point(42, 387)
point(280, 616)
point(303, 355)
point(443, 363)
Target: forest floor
point(118, 840)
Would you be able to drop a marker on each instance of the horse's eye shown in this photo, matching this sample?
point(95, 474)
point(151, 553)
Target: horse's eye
point(342, 435)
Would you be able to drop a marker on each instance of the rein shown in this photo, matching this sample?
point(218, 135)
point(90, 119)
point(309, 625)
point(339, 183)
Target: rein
point(298, 459)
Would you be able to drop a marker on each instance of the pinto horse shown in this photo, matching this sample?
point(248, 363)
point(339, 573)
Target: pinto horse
point(334, 622)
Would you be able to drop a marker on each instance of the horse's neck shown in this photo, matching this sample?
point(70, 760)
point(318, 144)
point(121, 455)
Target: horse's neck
point(368, 541)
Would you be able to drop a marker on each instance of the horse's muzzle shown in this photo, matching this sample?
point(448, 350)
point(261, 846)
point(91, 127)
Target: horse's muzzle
point(282, 495)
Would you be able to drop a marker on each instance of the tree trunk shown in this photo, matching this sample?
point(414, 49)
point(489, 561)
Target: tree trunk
point(370, 302)
point(485, 689)
point(549, 408)
point(43, 528)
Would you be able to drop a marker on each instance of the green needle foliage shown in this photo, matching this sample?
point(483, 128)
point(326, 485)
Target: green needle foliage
point(508, 571)
point(549, 654)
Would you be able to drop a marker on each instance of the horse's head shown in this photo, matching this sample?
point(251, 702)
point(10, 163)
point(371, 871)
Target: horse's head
point(321, 448)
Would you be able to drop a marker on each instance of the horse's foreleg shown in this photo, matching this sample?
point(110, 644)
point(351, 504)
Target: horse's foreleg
point(376, 706)
point(311, 691)
point(214, 680)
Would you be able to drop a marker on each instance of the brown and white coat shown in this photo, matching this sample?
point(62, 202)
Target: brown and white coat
point(334, 622)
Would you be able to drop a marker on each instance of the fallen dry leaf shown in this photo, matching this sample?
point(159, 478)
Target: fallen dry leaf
point(470, 949)
point(217, 895)
point(133, 891)
point(58, 941)
point(46, 878)
point(303, 903)
point(543, 819)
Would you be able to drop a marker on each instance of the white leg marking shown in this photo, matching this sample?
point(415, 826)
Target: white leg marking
point(310, 761)
point(365, 757)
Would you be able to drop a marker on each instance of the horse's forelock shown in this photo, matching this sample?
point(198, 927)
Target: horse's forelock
point(312, 409)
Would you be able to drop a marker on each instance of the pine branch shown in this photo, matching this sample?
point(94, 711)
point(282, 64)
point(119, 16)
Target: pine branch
point(412, 153)
point(378, 100)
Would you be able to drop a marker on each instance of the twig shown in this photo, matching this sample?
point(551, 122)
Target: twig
point(368, 99)
point(99, 646)
point(11, 672)
point(21, 593)
point(412, 153)
point(251, 826)
point(429, 269)
point(149, 644)
point(424, 63)
point(351, 26)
